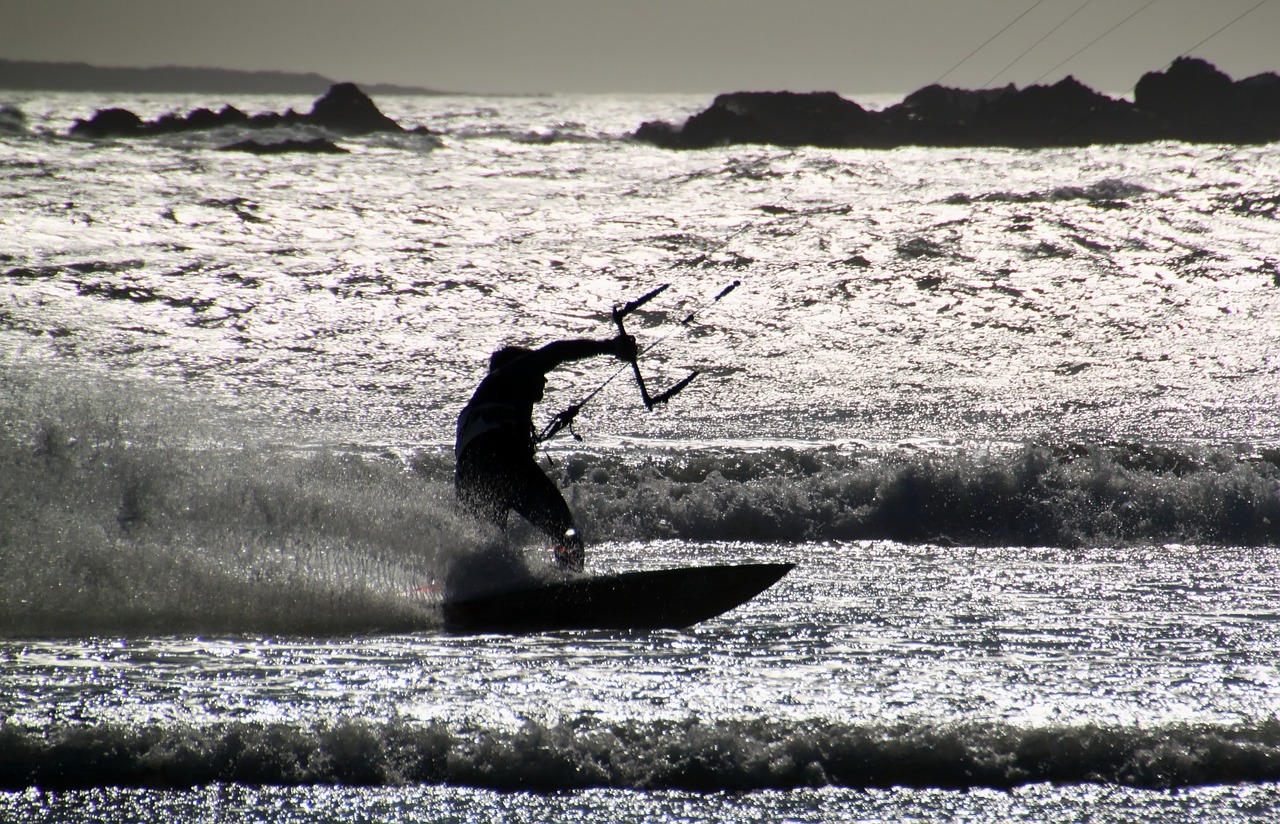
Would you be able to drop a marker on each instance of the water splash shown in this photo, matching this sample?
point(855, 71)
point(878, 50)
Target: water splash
point(132, 510)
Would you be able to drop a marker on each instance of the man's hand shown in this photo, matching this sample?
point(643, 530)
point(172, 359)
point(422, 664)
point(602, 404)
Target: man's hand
point(624, 347)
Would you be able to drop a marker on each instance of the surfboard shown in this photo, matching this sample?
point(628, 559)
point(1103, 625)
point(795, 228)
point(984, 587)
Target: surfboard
point(651, 599)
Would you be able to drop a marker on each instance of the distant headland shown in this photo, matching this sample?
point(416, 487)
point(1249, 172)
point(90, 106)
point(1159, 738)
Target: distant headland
point(32, 75)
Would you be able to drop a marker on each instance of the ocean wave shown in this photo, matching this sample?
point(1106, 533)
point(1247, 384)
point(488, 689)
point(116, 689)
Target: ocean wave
point(142, 511)
point(1040, 494)
point(1109, 192)
point(563, 133)
point(298, 133)
point(684, 754)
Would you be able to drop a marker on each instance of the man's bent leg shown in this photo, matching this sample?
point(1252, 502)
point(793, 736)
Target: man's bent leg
point(540, 502)
point(483, 487)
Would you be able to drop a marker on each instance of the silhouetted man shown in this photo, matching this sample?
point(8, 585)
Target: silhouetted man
point(497, 470)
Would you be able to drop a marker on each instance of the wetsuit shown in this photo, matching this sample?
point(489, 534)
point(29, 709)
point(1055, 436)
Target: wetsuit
point(496, 466)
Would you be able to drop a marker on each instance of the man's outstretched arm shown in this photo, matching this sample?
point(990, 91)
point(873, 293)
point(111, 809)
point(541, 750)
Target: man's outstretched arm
point(561, 352)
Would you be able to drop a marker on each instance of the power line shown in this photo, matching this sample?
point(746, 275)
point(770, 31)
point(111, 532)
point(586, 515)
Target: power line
point(1168, 65)
point(987, 42)
point(1028, 50)
point(1240, 17)
point(1078, 52)
point(1237, 19)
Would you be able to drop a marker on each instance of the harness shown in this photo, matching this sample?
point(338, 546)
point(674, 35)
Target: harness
point(485, 418)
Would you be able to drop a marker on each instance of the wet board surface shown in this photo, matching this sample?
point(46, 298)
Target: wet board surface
point(651, 599)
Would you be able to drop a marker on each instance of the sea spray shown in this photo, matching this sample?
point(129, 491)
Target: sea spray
point(131, 510)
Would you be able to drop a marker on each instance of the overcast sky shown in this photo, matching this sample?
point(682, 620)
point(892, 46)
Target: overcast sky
point(702, 46)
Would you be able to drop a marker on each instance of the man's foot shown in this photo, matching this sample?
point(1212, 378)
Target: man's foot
point(571, 553)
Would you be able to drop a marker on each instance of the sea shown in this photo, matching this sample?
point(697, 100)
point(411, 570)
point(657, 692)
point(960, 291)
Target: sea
point(1012, 413)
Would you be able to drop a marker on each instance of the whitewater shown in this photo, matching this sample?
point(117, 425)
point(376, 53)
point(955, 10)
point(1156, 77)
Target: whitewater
point(1012, 413)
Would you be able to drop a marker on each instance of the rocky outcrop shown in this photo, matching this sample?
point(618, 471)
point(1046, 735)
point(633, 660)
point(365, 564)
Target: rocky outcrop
point(344, 109)
point(109, 123)
point(1066, 113)
point(1202, 104)
point(347, 110)
point(1192, 101)
point(779, 118)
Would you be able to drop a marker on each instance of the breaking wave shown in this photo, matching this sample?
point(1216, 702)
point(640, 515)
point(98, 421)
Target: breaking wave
point(559, 133)
point(688, 754)
point(1043, 494)
point(1108, 192)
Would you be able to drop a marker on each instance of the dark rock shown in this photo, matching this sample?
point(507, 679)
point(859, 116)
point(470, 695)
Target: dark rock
point(315, 146)
point(1067, 113)
point(659, 133)
point(1200, 103)
point(165, 124)
point(205, 119)
point(344, 108)
point(269, 120)
point(778, 118)
point(934, 116)
point(1188, 85)
point(1262, 91)
point(109, 123)
point(947, 105)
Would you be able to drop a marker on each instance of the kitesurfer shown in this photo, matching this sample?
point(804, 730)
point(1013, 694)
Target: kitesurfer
point(496, 467)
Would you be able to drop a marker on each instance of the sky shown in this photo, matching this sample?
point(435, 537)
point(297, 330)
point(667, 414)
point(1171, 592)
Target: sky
point(658, 46)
